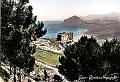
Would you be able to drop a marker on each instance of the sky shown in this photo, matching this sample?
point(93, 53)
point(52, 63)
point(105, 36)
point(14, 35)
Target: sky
point(47, 10)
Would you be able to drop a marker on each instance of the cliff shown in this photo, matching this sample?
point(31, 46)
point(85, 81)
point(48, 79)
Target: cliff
point(73, 21)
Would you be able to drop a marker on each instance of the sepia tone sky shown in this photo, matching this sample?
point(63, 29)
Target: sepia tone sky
point(61, 9)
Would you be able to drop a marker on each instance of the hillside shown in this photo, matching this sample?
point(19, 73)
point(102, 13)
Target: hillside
point(110, 16)
point(104, 26)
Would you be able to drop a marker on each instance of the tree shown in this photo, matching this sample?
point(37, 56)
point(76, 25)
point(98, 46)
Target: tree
point(45, 75)
point(57, 78)
point(81, 58)
point(19, 29)
point(111, 57)
point(87, 57)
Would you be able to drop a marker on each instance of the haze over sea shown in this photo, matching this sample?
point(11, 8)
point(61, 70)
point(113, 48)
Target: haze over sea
point(55, 27)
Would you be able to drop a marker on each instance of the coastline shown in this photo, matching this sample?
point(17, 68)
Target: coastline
point(89, 35)
point(101, 31)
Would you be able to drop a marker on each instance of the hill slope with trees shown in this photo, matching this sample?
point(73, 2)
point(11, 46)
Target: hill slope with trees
point(86, 57)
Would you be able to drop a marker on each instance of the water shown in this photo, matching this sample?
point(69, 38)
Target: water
point(55, 27)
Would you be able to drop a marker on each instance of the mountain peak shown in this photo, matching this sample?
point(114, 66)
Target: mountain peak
point(73, 21)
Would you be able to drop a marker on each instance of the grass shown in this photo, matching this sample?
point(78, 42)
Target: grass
point(46, 57)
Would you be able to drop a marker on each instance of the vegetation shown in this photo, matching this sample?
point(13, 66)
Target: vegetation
point(46, 57)
point(111, 57)
point(19, 27)
point(4, 74)
point(87, 57)
point(57, 78)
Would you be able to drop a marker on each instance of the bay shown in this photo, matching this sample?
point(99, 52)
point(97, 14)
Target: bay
point(55, 27)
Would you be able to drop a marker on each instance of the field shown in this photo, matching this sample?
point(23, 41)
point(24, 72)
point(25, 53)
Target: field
point(47, 57)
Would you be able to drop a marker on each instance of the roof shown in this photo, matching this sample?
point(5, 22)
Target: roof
point(65, 33)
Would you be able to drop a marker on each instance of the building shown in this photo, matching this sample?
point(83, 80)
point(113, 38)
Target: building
point(65, 37)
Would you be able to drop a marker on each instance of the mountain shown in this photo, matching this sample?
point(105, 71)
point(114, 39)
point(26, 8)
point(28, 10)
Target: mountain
point(104, 25)
point(73, 21)
point(110, 16)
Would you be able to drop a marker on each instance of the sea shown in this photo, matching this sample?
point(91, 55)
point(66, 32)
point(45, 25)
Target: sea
point(55, 27)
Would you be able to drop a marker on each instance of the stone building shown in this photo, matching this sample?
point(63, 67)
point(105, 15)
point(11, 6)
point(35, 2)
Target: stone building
point(65, 37)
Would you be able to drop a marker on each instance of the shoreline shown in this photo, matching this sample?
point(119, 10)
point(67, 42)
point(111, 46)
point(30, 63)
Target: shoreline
point(99, 40)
